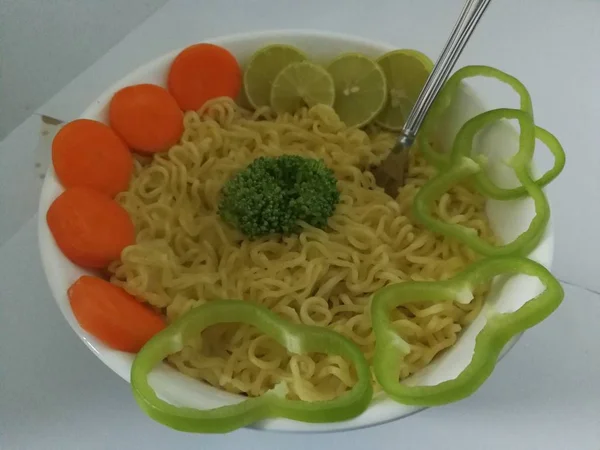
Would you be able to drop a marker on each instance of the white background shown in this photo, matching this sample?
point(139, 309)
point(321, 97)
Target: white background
point(54, 394)
point(44, 44)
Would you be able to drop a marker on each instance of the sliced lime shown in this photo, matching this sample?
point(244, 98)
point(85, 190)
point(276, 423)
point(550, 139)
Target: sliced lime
point(406, 72)
point(360, 88)
point(262, 69)
point(302, 84)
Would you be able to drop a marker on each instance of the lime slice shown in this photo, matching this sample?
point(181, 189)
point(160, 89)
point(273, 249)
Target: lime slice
point(406, 72)
point(360, 88)
point(302, 84)
point(262, 69)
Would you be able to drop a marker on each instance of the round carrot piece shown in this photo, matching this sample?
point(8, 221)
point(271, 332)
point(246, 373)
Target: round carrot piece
point(89, 227)
point(202, 72)
point(147, 117)
point(88, 153)
point(112, 315)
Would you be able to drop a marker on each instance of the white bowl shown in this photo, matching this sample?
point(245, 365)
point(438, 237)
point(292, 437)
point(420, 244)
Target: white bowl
point(507, 218)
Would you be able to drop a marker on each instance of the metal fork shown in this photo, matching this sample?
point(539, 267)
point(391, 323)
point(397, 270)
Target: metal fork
point(390, 173)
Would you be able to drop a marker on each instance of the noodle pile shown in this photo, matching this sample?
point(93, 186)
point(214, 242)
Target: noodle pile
point(186, 255)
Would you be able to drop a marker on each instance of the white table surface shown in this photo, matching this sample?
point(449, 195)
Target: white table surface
point(45, 43)
point(54, 394)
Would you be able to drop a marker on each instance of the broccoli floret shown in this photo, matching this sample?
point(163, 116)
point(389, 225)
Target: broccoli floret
point(273, 194)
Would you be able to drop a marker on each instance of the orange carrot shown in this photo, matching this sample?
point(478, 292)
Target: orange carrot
point(88, 153)
point(202, 72)
point(112, 315)
point(89, 227)
point(147, 117)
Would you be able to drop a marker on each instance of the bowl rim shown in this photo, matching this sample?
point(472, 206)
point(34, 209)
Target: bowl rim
point(104, 354)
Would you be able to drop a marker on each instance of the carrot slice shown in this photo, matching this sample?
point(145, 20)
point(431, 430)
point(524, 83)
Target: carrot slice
point(202, 72)
point(112, 315)
point(147, 117)
point(89, 227)
point(88, 153)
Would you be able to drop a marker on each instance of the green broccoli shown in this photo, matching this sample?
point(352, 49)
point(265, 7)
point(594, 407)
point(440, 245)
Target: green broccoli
point(273, 194)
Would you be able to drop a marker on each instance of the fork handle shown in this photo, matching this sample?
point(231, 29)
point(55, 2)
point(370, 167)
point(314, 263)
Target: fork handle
point(463, 29)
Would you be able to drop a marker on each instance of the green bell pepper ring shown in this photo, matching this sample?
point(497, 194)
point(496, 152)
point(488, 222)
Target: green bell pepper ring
point(463, 146)
point(496, 333)
point(296, 338)
point(445, 97)
point(464, 167)
point(443, 101)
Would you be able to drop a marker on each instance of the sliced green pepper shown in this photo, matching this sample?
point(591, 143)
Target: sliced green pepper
point(445, 97)
point(296, 338)
point(496, 333)
point(463, 146)
point(463, 167)
point(443, 101)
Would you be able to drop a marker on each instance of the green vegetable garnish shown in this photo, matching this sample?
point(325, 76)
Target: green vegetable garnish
point(273, 195)
point(262, 69)
point(406, 72)
point(360, 88)
point(496, 333)
point(463, 167)
point(296, 338)
point(301, 84)
point(463, 146)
